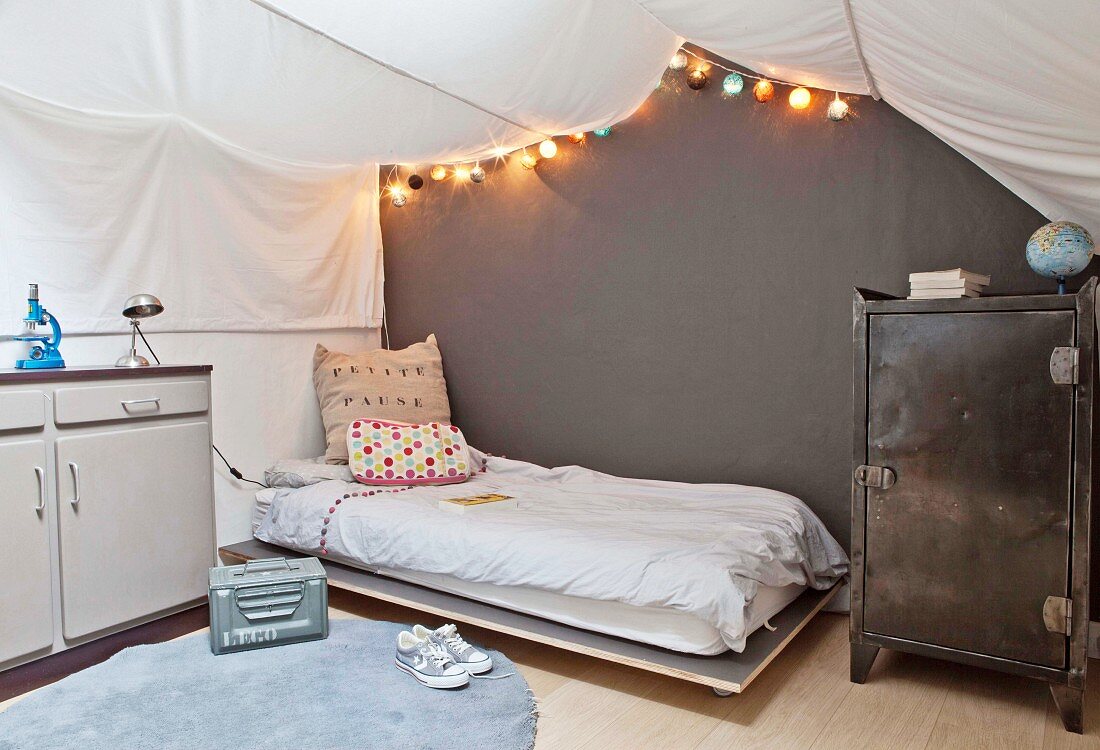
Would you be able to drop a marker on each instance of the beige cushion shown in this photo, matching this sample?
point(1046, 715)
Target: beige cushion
point(406, 385)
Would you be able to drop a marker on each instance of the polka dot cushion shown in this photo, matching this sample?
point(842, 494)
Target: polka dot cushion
point(385, 452)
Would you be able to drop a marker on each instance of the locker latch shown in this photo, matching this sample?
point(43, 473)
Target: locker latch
point(1057, 614)
point(878, 477)
point(1064, 365)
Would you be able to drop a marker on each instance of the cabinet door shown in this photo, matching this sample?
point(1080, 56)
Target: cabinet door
point(136, 523)
point(965, 548)
point(26, 592)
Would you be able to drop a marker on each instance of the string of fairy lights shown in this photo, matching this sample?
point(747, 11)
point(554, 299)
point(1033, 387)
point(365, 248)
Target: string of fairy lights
point(696, 70)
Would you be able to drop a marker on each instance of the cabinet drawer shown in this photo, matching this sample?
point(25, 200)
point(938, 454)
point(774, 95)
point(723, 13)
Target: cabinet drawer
point(131, 401)
point(22, 409)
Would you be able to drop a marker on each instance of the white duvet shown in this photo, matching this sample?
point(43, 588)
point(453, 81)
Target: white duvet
point(700, 548)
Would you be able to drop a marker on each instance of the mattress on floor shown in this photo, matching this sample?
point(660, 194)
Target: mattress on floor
point(704, 550)
point(656, 626)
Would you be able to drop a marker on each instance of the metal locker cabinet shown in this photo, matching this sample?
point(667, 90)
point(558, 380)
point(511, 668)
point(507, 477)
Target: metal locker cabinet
point(971, 483)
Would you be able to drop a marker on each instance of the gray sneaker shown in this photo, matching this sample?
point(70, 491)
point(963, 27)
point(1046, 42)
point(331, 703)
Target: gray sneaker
point(428, 663)
point(465, 655)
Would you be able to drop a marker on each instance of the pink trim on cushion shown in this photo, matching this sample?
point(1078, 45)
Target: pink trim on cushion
point(385, 452)
point(427, 482)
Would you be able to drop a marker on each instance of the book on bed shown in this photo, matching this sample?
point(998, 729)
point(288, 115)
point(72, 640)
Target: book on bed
point(488, 500)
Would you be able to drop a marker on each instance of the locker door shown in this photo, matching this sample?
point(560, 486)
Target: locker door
point(964, 548)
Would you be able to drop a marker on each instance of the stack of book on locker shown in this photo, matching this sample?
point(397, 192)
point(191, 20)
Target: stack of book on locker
point(944, 284)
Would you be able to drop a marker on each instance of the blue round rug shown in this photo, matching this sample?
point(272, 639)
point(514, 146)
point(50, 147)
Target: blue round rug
point(342, 693)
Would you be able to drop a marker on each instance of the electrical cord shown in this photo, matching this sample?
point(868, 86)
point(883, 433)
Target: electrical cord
point(235, 472)
point(385, 325)
point(142, 334)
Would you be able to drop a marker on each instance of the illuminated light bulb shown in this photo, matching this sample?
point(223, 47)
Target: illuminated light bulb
point(438, 172)
point(577, 137)
point(416, 181)
point(799, 98)
point(399, 197)
point(477, 174)
point(679, 61)
point(733, 84)
point(548, 149)
point(528, 160)
point(696, 79)
point(462, 173)
point(602, 132)
point(838, 109)
point(764, 90)
point(500, 152)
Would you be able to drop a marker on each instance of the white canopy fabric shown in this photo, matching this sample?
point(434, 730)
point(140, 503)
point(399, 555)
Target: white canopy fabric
point(97, 207)
point(270, 114)
point(1010, 84)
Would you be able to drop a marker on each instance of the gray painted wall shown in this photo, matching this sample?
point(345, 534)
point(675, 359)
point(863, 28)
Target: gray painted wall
point(675, 301)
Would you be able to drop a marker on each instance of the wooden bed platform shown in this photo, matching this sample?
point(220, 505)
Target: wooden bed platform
point(725, 673)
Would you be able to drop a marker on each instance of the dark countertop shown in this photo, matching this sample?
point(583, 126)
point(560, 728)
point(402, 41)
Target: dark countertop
point(97, 372)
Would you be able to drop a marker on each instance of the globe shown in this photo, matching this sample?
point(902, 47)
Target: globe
point(1060, 249)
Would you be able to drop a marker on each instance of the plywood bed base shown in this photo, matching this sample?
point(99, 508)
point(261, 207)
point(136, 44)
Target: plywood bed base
point(726, 673)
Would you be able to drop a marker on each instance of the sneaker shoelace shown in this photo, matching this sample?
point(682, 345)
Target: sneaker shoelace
point(435, 656)
point(450, 636)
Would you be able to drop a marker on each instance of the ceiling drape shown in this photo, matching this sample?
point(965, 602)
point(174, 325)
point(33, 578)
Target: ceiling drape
point(269, 115)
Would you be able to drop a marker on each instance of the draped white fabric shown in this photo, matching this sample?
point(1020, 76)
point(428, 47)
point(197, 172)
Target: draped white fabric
point(1011, 84)
point(307, 80)
point(803, 41)
point(96, 207)
point(234, 141)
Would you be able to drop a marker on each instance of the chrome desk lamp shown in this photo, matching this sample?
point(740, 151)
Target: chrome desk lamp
point(137, 308)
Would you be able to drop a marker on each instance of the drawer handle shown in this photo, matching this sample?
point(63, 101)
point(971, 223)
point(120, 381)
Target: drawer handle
point(136, 401)
point(41, 474)
point(76, 483)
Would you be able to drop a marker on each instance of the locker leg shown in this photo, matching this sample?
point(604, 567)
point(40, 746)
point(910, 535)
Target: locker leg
point(1071, 706)
point(863, 657)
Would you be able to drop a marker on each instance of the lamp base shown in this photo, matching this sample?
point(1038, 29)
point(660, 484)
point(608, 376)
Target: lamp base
point(132, 360)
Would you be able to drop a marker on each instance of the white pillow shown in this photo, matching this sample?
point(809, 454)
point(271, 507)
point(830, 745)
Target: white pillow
point(301, 472)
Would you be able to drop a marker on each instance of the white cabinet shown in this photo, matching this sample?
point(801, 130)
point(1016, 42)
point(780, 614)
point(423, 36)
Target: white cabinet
point(26, 617)
point(106, 502)
point(129, 523)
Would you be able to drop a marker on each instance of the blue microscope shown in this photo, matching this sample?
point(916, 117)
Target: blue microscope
point(44, 356)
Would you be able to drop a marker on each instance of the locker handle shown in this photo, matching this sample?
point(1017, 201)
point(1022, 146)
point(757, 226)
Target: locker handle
point(76, 483)
point(41, 474)
point(877, 477)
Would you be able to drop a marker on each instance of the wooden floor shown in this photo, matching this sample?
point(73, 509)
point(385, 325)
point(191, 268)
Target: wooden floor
point(802, 700)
